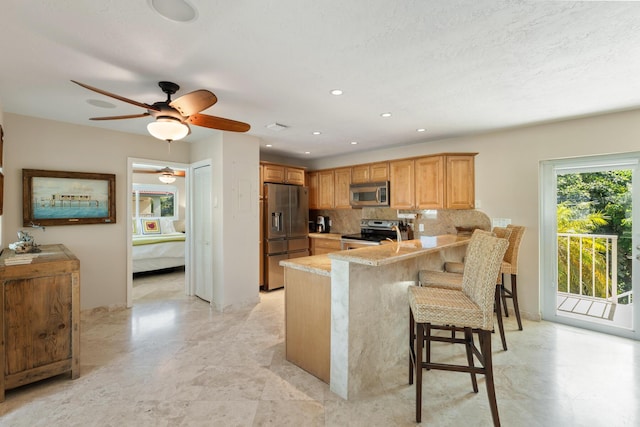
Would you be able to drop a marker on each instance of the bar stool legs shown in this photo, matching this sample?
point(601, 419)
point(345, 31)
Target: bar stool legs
point(420, 338)
point(513, 294)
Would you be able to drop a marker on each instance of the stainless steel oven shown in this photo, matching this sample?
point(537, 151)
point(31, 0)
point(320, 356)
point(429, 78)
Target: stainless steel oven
point(369, 194)
point(372, 232)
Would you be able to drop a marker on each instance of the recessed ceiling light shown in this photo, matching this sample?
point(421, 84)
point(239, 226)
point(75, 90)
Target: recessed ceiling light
point(354, 142)
point(316, 132)
point(307, 152)
point(100, 103)
point(336, 92)
point(269, 145)
point(421, 130)
point(174, 10)
point(385, 115)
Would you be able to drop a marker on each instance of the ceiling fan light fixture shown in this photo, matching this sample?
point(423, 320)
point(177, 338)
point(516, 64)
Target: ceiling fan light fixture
point(168, 129)
point(167, 178)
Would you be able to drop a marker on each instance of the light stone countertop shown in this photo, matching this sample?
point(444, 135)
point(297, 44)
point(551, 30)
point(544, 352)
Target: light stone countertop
point(330, 236)
point(316, 264)
point(375, 255)
point(394, 252)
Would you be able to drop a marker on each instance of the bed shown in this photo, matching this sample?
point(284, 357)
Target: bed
point(157, 246)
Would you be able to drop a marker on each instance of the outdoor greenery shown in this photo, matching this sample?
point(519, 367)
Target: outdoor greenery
point(594, 203)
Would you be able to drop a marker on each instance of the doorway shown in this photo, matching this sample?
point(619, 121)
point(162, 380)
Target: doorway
point(158, 210)
point(202, 231)
point(589, 243)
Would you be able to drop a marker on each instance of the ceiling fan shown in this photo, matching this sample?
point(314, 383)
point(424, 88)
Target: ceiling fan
point(173, 116)
point(166, 174)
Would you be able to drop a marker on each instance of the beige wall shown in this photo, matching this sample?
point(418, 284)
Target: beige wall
point(235, 179)
point(34, 143)
point(507, 172)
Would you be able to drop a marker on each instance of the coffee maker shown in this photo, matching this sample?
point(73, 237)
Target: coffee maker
point(322, 224)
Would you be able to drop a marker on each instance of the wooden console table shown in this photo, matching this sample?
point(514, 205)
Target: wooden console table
point(40, 319)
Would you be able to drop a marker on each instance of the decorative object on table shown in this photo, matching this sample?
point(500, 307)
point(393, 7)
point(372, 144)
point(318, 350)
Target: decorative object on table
point(25, 243)
point(65, 198)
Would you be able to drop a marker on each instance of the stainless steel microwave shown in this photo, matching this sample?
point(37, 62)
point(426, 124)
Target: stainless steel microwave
point(369, 194)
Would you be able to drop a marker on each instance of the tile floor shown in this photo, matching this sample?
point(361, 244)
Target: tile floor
point(172, 361)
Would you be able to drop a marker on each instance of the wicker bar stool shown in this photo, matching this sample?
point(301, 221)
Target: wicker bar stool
point(469, 309)
point(510, 266)
point(453, 280)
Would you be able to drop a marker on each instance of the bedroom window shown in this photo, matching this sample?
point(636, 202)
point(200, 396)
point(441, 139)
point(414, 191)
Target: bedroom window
point(154, 201)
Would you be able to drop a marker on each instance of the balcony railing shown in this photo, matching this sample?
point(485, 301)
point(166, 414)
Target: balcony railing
point(588, 267)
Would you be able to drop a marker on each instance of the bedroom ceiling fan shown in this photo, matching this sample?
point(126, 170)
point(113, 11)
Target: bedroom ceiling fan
point(166, 174)
point(172, 117)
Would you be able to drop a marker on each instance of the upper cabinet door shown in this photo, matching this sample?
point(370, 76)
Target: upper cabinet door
point(430, 182)
point(379, 172)
point(294, 176)
point(360, 174)
point(342, 180)
point(460, 182)
point(325, 193)
point(402, 174)
point(312, 183)
point(273, 173)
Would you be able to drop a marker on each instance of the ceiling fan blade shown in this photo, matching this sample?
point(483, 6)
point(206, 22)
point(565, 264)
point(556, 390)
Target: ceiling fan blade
point(130, 116)
point(217, 123)
point(160, 171)
point(118, 97)
point(194, 102)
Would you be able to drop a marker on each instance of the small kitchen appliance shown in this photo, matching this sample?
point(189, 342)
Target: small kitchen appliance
point(323, 225)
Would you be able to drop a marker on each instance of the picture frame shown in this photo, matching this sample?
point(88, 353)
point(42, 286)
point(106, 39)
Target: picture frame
point(67, 198)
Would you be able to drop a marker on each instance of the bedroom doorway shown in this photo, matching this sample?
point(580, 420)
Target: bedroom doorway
point(158, 209)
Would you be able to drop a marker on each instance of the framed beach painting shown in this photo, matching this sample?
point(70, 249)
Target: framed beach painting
point(65, 198)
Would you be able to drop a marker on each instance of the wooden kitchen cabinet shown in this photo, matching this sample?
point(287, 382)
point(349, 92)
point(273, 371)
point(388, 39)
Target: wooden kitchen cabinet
point(325, 189)
point(445, 181)
point(280, 174)
point(402, 181)
point(40, 318)
point(342, 181)
point(312, 184)
point(429, 185)
point(460, 182)
point(371, 172)
point(321, 245)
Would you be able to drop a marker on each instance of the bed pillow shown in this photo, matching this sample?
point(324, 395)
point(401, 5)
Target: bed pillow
point(135, 228)
point(150, 226)
point(166, 226)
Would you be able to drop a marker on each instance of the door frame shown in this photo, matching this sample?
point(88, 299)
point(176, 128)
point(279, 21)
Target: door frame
point(548, 245)
point(191, 280)
point(187, 186)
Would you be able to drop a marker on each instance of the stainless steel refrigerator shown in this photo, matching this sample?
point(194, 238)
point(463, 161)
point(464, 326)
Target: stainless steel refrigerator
point(286, 227)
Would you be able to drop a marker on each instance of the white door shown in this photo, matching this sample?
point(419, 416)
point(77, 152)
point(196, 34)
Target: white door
point(202, 260)
point(591, 257)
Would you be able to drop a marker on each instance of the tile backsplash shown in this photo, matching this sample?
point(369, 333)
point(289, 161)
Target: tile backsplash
point(435, 222)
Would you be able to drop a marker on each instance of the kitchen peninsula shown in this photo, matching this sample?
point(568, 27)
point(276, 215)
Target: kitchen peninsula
point(346, 313)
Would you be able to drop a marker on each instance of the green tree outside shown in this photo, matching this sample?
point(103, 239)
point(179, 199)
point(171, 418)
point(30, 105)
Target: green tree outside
point(594, 203)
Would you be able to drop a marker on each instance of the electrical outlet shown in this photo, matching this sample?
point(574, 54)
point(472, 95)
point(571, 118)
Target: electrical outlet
point(420, 227)
point(478, 204)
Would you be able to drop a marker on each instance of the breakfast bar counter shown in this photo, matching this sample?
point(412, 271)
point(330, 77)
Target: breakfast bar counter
point(351, 307)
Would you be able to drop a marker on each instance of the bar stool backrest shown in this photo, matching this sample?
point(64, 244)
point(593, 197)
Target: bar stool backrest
point(482, 265)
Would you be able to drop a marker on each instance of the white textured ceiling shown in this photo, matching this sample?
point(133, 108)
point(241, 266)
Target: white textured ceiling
point(452, 67)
